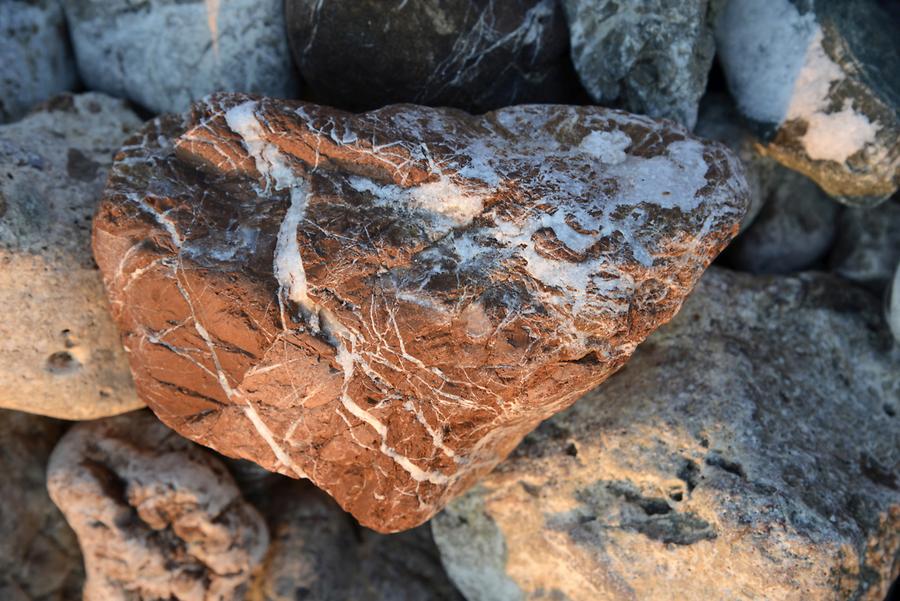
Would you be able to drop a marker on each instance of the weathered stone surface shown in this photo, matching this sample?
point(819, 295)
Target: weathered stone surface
point(650, 57)
point(794, 231)
point(157, 517)
point(386, 303)
point(893, 304)
point(868, 244)
point(164, 54)
point(35, 58)
point(471, 54)
point(59, 350)
point(749, 450)
point(821, 78)
point(39, 559)
point(318, 553)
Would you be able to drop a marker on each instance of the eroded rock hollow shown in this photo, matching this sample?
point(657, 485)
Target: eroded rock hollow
point(386, 303)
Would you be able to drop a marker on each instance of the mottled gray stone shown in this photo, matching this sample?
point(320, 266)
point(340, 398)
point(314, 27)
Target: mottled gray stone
point(795, 229)
point(868, 244)
point(749, 450)
point(893, 304)
point(821, 81)
point(39, 558)
point(59, 350)
point(35, 57)
point(319, 553)
point(650, 57)
point(164, 54)
point(476, 55)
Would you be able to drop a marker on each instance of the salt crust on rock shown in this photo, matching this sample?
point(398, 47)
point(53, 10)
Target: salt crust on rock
point(749, 450)
point(386, 303)
point(59, 349)
point(822, 75)
point(157, 517)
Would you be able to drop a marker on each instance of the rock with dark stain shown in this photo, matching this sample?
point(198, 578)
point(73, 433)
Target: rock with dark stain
point(650, 57)
point(821, 80)
point(164, 54)
point(750, 448)
point(36, 61)
point(157, 517)
point(60, 353)
point(39, 558)
point(471, 54)
point(319, 553)
point(387, 303)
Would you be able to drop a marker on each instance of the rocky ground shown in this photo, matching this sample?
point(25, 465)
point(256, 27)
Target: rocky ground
point(598, 300)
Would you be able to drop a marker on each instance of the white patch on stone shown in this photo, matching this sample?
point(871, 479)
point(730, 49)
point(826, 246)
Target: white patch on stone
point(607, 146)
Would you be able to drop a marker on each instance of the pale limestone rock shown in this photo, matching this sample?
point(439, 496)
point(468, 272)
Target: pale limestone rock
point(749, 450)
point(59, 350)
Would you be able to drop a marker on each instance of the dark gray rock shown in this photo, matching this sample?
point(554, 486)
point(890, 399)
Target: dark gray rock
point(164, 54)
point(650, 57)
point(35, 57)
point(39, 558)
point(471, 54)
point(795, 229)
point(750, 449)
point(821, 80)
point(319, 553)
point(868, 245)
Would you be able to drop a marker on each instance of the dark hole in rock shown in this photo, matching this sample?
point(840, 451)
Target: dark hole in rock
point(62, 362)
point(732, 467)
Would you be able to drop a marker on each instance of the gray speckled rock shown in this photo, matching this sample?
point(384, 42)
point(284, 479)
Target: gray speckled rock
point(652, 57)
point(157, 517)
point(868, 244)
point(893, 304)
point(319, 553)
point(59, 350)
point(35, 57)
point(749, 450)
point(471, 54)
point(821, 78)
point(39, 558)
point(794, 230)
point(164, 54)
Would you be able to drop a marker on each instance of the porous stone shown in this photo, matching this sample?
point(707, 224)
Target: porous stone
point(868, 244)
point(750, 449)
point(164, 54)
point(471, 54)
point(651, 57)
point(821, 80)
point(318, 553)
point(36, 60)
point(386, 303)
point(39, 558)
point(157, 517)
point(60, 352)
point(794, 231)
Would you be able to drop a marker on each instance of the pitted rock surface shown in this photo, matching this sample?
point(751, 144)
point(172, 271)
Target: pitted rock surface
point(157, 517)
point(723, 462)
point(60, 352)
point(821, 81)
point(387, 303)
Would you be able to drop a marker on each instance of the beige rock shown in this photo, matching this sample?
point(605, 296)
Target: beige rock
point(157, 517)
point(39, 558)
point(749, 450)
point(60, 354)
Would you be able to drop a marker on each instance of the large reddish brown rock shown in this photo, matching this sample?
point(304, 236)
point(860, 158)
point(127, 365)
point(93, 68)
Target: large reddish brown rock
point(387, 303)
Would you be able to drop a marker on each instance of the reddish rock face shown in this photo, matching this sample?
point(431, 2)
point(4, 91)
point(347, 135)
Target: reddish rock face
point(387, 303)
